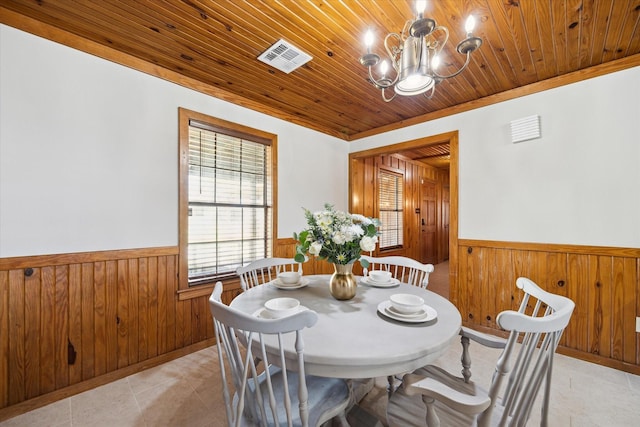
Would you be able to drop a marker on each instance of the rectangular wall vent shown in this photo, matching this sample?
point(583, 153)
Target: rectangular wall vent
point(284, 56)
point(525, 129)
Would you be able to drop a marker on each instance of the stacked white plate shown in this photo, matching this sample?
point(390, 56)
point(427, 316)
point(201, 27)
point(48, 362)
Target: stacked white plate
point(299, 284)
point(376, 284)
point(424, 314)
point(263, 313)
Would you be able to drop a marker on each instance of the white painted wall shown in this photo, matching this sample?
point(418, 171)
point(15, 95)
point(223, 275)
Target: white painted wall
point(89, 153)
point(88, 158)
point(578, 184)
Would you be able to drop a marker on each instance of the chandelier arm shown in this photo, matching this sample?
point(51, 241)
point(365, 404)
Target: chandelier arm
point(431, 93)
point(393, 51)
point(382, 83)
point(384, 98)
point(457, 72)
point(439, 45)
point(406, 30)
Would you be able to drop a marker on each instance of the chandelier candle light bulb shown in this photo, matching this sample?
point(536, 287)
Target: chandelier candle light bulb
point(469, 25)
point(435, 62)
point(368, 40)
point(384, 67)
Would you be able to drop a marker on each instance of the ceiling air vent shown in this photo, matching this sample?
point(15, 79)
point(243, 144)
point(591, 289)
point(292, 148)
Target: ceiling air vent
point(284, 56)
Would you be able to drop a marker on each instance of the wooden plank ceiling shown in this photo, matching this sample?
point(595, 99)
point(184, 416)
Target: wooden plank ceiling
point(216, 43)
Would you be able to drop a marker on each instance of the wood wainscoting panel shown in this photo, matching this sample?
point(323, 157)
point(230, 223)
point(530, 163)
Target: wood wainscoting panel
point(4, 342)
point(73, 318)
point(32, 328)
point(600, 305)
point(16, 338)
point(603, 282)
point(75, 322)
point(577, 335)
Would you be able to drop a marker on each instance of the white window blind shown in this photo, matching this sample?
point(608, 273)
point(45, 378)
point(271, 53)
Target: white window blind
point(230, 202)
point(390, 207)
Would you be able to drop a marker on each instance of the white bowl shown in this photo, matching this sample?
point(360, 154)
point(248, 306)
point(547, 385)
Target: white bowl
point(289, 277)
point(406, 303)
point(280, 307)
point(380, 276)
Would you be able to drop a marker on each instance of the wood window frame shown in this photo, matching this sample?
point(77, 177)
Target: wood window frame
point(184, 117)
point(401, 178)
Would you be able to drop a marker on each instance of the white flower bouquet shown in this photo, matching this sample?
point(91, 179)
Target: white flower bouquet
point(338, 237)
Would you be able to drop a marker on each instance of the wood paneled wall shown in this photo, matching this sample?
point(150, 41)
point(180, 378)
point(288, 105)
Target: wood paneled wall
point(603, 282)
point(70, 322)
point(67, 319)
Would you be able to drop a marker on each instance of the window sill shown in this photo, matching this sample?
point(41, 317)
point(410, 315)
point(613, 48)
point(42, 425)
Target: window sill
point(393, 250)
point(206, 289)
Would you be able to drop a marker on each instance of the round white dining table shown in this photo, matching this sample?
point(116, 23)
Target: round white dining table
point(351, 339)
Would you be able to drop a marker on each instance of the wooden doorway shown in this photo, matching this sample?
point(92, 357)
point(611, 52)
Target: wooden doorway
point(362, 186)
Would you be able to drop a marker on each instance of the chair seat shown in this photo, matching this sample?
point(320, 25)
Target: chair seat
point(328, 397)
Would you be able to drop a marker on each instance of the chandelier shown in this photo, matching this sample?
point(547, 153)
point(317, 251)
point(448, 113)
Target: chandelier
point(414, 56)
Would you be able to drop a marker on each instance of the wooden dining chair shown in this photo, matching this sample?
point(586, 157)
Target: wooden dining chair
point(405, 269)
point(265, 270)
point(434, 396)
point(269, 384)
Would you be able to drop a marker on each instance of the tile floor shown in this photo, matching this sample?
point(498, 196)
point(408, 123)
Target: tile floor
point(183, 392)
point(186, 392)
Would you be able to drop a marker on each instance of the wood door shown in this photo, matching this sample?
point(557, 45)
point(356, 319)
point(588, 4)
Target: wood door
point(428, 221)
point(444, 238)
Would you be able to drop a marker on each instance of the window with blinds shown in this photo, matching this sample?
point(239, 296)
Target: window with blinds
point(230, 202)
point(390, 203)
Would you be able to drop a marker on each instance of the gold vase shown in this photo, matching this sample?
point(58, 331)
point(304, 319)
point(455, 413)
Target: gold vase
point(343, 283)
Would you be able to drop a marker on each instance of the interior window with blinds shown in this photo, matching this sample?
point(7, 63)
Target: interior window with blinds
point(390, 206)
point(230, 203)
